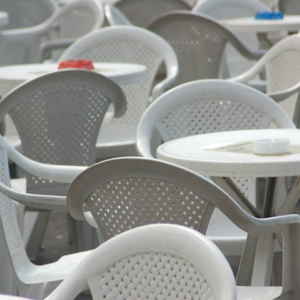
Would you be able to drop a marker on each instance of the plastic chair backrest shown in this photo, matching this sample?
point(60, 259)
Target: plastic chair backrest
point(198, 41)
point(167, 262)
point(78, 18)
point(142, 13)
point(12, 252)
point(208, 106)
point(128, 44)
point(227, 9)
point(27, 13)
point(58, 117)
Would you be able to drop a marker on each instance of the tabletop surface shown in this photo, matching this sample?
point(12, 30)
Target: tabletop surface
point(30, 71)
point(250, 24)
point(220, 154)
point(12, 76)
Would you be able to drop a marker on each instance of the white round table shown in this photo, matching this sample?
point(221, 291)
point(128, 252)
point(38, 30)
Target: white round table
point(226, 154)
point(250, 24)
point(218, 154)
point(12, 76)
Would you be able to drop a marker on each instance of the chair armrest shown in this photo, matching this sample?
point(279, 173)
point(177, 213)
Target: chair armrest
point(281, 95)
point(49, 46)
point(57, 173)
point(163, 85)
point(42, 202)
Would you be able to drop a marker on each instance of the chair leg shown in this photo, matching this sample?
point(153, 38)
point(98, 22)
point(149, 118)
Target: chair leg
point(83, 236)
point(36, 237)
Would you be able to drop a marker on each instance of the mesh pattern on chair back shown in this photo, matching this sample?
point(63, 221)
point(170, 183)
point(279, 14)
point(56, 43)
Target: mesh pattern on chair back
point(59, 124)
point(151, 276)
point(143, 12)
point(198, 42)
point(209, 115)
point(137, 94)
point(126, 203)
point(283, 71)
point(8, 214)
point(26, 13)
point(212, 115)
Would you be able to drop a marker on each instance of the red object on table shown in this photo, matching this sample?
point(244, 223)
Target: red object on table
point(77, 64)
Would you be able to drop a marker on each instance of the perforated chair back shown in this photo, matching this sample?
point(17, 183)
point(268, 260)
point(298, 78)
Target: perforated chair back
point(198, 41)
point(27, 13)
point(58, 117)
point(129, 44)
point(206, 106)
point(167, 262)
point(228, 9)
point(20, 46)
point(143, 12)
point(12, 252)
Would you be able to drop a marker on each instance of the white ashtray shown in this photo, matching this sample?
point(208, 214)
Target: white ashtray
point(271, 146)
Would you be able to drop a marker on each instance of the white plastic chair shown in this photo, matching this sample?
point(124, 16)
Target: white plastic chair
point(142, 13)
point(199, 43)
point(58, 117)
point(205, 106)
point(27, 13)
point(28, 45)
point(127, 44)
point(281, 68)
point(17, 274)
point(227, 9)
point(166, 262)
point(114, 16)
point(125, 193)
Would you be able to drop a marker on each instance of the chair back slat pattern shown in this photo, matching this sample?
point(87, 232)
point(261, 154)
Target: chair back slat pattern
point(151, 276)
point(126, 203)
point(137, 94)
point(198, 42)
point(141, 13)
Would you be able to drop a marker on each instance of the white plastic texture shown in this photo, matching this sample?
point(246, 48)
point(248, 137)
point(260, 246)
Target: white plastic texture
point(210, 106)
point(271, 146)
point(199, 42)
point(227, 9)
point(127, 44)
point(126, 193)
point(142, 12)
point(17, 274)
point(164, 263)
point(27, 13)
point(281, 66)
point(20, 46)
point(115, 16)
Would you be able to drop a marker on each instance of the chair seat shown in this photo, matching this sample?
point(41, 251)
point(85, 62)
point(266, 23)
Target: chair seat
point(116, 140)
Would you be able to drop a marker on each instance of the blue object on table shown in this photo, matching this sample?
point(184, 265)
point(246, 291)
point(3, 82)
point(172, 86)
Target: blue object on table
point(266, 15)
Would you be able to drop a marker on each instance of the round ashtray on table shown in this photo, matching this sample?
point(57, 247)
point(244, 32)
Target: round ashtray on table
point(271, 146)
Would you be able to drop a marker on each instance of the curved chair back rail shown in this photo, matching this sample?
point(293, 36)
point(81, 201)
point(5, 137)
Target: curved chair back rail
point(20, 46)
point(27, 13)
point(58, 116)
point(207, 106)
point(142, 13)
point(199, 43)
point(158, 265)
